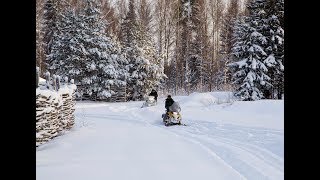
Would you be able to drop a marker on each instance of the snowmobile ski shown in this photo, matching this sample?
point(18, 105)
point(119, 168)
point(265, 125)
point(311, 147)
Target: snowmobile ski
point(174, 124)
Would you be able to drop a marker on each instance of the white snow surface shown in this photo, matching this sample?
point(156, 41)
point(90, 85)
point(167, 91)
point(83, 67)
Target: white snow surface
point(223, 140)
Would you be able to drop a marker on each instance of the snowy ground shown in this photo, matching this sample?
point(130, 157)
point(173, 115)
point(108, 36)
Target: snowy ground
point(121, 141)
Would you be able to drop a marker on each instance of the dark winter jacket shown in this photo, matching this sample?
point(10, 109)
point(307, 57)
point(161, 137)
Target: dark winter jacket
point(154, 93)
point(168, 103)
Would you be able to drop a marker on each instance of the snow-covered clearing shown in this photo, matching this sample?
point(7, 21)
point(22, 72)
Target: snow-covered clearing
point(122, 141)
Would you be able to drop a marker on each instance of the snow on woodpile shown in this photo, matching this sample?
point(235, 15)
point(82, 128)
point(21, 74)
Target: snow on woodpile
point(54, 111)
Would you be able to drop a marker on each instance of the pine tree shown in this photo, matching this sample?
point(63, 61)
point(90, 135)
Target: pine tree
point(40, 56)
point(195, 59)
point(250, 71)
point(61, 42)
point(275, 49)
point(68, 53)
point(111, 69)
point(128, 38)
point(103, 63)
point(263, 30)
point(83, 52)
point(50, 17)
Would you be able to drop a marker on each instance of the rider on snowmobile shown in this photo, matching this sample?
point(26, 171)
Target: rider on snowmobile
point(169, 102)
point(154, 94)
point(172, 115)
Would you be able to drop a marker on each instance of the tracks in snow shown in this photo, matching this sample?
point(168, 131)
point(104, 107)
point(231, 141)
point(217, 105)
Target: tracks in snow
point(252, 152)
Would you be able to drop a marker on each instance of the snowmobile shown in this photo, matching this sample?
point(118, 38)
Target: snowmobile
point(150, 101)
point(173, 116)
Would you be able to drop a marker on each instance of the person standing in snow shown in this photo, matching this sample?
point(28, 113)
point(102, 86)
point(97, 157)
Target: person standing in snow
point(154, 94)
point(169, 102)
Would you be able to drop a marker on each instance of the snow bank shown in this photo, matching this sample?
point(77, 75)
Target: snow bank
point(207, 99)
point(261, 113)
point(221, 107)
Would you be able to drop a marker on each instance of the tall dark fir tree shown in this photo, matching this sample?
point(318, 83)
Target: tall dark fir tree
point(250, 71)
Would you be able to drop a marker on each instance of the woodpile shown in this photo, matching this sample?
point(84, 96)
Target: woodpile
point(68, 109)
point(43, 126)
point(54, 112)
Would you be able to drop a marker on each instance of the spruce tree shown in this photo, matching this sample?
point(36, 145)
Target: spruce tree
point(128, 39)
point(82, 51)
point(275, 34)
point(249, 70)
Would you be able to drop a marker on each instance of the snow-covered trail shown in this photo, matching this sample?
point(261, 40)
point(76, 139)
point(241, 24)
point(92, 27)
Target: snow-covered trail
point(124, 141)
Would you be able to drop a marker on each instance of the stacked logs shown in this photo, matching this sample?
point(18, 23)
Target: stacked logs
point(43, 119)
point(54, 112)
point(68, 109)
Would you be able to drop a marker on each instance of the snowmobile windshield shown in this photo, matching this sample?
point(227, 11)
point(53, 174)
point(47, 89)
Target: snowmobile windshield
point(175, 107)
